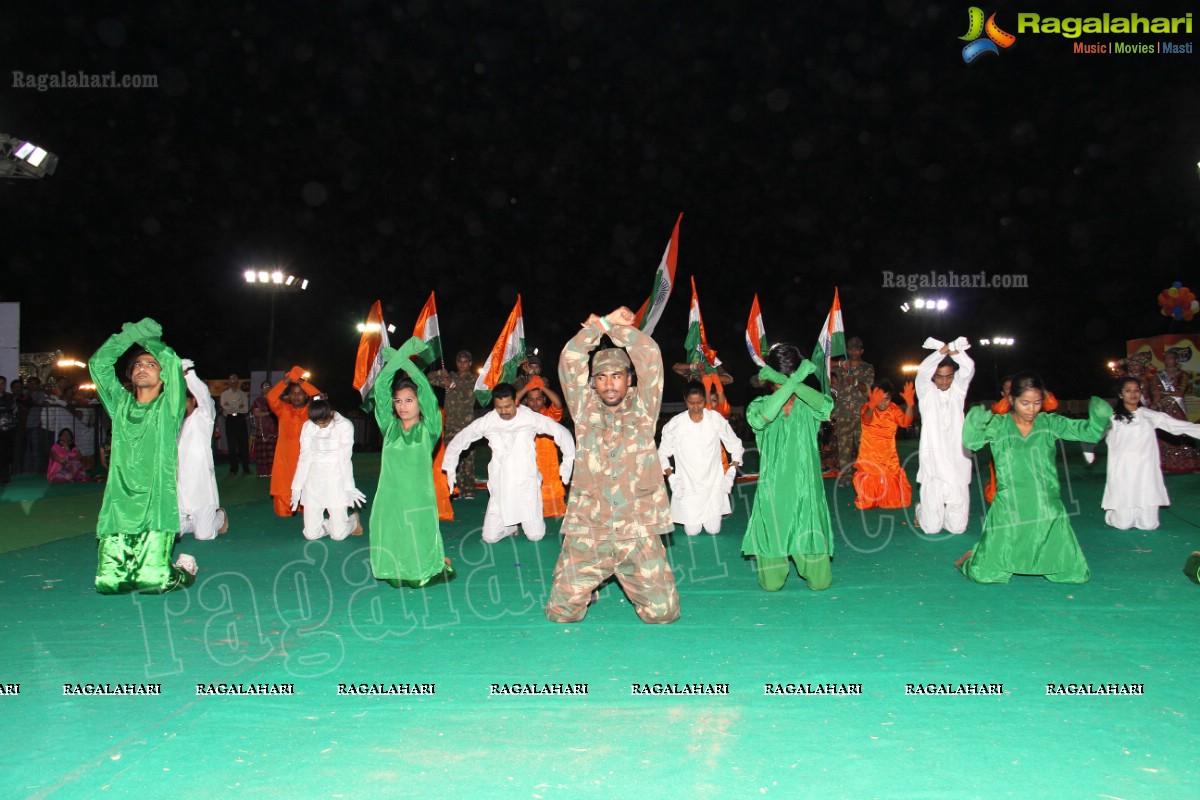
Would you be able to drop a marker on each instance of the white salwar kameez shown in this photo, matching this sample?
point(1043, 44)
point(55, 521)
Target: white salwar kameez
point(514, 483)
point(1135, 489)
point(196, 480)
point(945, 465)
point(324, 479)
point(699, 489)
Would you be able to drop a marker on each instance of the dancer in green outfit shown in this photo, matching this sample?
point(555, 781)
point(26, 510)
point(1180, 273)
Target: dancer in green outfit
point(139, 518)
point(791, 515)
point(406, 540)
point(1026, 531)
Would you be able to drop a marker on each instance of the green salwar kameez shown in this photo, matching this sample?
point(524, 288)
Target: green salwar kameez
point(1027, 531)
point(139, 516)
point(405, 535)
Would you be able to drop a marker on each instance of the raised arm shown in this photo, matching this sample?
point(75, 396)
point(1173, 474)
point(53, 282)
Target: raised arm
point(275, 396)
point(102, 366)
point(573, 366)
point(206, 407)
point(925, 370)
point(174, 391)
point(647, 363)
point(966, 368)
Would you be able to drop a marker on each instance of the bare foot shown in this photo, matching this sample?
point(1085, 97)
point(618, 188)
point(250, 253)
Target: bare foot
point(187, 564)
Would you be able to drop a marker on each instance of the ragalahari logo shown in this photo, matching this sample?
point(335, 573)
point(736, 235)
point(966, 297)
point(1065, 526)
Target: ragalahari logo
point(976, 28)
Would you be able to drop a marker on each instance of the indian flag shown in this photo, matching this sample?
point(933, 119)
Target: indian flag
point(699, 354)
point(506, 356)
point(370, 351)
point(756, 335)
point(428, 331)
point(831, 343)
point(664, 280)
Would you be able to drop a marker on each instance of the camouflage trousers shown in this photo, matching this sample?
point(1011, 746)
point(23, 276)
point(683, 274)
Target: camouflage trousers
point(639, 565)
point(849, 432)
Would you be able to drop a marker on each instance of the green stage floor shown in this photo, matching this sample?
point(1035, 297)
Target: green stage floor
point(269, 608)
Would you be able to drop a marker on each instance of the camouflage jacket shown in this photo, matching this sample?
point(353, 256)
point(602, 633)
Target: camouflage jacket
point(617, 490)
point(850, 399)
point(460, 398)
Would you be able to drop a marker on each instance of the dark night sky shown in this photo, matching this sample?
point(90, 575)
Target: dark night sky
point(486, 147)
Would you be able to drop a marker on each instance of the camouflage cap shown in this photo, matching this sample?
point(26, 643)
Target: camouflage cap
point(611, 359)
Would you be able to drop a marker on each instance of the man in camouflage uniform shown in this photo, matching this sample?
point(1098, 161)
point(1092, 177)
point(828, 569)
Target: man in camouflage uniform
point(852, 379)
point(618, 506)
point(460, 412)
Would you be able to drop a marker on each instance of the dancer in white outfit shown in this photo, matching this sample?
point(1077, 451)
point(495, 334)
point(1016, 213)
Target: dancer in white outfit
point(514, 482)
point(196, 480)
point(699, 487)
point(1135, 489)
point(945, 472)
point(324, 479)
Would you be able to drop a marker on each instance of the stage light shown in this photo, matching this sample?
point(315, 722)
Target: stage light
point(942, 305)
point(985, 342)
point(906, 368)
point(905, 307)
point(391, 328)
point(70, 362)
point(275, 282)
point(919, 303)
point(22, 159)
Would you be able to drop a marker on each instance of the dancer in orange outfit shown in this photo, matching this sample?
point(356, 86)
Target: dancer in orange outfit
point(288, 400)
point(879, 480)
point(544, 400)
point(1000, 408)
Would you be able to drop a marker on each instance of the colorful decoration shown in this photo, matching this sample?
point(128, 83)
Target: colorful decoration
point(1178, 302)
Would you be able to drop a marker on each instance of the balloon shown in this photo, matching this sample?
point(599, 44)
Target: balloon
point(1177, 313)
point(1173, 291)
point(1164, 312)
point(1195, 306)
point(1177, 285)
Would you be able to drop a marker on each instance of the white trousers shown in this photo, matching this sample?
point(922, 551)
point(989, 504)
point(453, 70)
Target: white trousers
point(944, 505)
point(710, 526)
point(1144, 518)
point(203, 523)
point(337, 527)
point(494, 529)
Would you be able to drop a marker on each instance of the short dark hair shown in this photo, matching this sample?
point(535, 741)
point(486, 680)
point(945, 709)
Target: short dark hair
point(695, 387)
point(784, 358)
point(319, 411)
point(503, 390)
point(132, 360)
point(948, 362)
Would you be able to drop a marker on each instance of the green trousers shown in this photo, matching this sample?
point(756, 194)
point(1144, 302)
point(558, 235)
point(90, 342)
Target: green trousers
point(773, 572)
point(138, 562)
